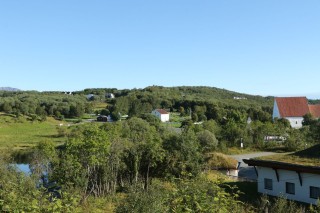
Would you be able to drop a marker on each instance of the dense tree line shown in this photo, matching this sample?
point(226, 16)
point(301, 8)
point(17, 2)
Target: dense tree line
point(184, 99)
point(159, 170)
point(39, 105)
point(198, 103)
point(101, 160)
point(118, 155)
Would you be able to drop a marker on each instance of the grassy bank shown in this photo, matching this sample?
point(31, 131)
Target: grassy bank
point(22, 133)
point(307, 157)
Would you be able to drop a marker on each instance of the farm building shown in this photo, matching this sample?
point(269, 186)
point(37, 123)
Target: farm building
point(103, 118)
point(162, 114)
point(292, 181)
point(293, 109)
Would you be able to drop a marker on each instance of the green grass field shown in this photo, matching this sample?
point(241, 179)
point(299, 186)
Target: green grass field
point(22, 133)
point(99, 105)
point(307, 157)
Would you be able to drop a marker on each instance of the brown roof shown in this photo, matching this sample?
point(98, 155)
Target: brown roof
point(315, 110)
point(292, 106)
point(282, 165)
point(162, 111)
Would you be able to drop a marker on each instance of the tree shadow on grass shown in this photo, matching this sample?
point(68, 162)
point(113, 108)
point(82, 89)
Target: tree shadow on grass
point(8, 115)
point(248, 191)
point(311, 152)
point(51, 136)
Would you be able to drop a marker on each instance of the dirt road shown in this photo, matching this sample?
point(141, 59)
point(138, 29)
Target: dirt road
point(246, 171)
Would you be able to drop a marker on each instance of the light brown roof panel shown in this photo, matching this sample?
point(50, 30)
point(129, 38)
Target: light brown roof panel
point(315, 110)
point(162, 111)
point(292, 106)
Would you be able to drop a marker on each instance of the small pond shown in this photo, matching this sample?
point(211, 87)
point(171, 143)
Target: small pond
point(24, 168)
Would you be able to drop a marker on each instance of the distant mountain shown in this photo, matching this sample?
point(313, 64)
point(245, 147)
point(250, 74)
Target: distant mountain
point(9, 89)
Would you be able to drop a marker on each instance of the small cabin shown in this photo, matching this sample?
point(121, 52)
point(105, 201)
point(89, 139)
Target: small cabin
point(162, 114)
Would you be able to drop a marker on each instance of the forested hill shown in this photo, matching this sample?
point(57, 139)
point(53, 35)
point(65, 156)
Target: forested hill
point(189, 93)
point(202, 102)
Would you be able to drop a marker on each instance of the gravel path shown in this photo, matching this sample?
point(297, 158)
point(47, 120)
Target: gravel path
point(246, 171)
point(251, 155)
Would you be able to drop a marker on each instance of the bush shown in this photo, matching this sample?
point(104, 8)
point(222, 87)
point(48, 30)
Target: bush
point(220, 161)
point(138, 200)
point(201, 195)
point(278, 205)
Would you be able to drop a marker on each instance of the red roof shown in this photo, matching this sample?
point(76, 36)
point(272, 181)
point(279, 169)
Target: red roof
point(292, 106)
point(315, 110)
point(162, 111)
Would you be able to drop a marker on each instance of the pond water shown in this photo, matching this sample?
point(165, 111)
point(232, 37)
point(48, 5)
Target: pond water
point(24, 168)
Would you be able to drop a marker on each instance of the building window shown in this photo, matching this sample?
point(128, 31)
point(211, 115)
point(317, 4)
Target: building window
point(290, 188)
point(268, 184)
point(314, 192)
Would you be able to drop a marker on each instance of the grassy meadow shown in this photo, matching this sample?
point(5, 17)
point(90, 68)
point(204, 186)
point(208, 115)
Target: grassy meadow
point(22, 133)
point(100, 105)
point(306, 157)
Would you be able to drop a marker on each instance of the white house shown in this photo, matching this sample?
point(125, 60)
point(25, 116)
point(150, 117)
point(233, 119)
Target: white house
point(110, 95)
point(293, 109)
point(292, 181)
point(90, 96)
point(104, 118)
point(162, 114)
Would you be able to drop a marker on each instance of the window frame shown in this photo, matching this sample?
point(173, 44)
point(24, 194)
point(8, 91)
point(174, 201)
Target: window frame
point(268, 184)
point(288, 184)
point(317, 191)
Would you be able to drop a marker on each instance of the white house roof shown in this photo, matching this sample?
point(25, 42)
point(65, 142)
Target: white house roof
point(282, 165)
point(162, 111)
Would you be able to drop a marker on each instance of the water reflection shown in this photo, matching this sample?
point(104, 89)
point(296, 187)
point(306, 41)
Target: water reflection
point(24, 168)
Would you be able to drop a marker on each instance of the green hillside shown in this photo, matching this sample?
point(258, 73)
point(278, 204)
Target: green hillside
point(21, 133)
point(190, 93)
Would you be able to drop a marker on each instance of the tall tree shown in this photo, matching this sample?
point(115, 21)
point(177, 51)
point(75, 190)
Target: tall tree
point(145, 148)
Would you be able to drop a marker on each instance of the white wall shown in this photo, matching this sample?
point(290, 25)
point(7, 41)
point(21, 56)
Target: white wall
point(162, 117)
point(295, 122)
point(276, 113)
point(302, 193)
point(156, 113)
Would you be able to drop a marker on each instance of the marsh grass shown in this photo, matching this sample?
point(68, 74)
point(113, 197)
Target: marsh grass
point(22, 133)
point(307, 157)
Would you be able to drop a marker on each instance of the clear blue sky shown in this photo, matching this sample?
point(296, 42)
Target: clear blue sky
point(269, 47)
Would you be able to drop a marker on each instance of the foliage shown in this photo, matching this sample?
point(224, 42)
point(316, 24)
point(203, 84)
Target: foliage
point(154, 200)
point(296, 141)
point(183, 157)
point(149, 166)
point(278, 205)
point(220, 161)
point(315, 131)
point(207, 141)
point(145, 149)
point(308, 119)
point(197, 195)
point(20, 193)
point(22, 133)
point(83, 160)
point(201, 195)
point(44, 104)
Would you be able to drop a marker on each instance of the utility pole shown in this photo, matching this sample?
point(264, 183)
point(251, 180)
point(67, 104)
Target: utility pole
point(241, 144)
